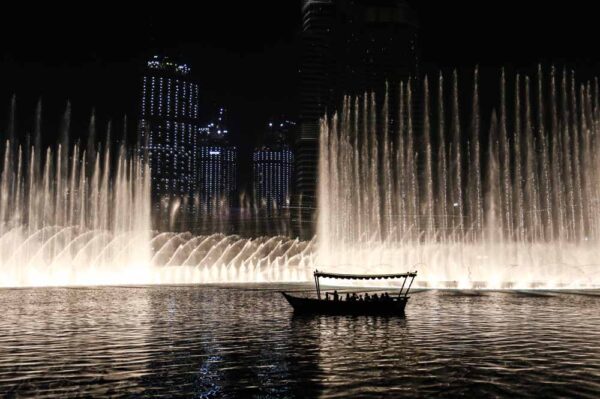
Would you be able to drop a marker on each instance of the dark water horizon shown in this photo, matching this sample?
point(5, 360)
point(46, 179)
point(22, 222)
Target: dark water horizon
point(244, 341)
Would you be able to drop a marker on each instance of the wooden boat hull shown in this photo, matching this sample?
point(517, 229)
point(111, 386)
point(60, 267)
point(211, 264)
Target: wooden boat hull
point(320, 306)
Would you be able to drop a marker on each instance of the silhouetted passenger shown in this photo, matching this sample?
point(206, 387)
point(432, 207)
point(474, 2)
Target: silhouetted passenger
point(360, 297)
point(354, 297)
point(367, 297)
point(336, 297)
point(375, 298)
point(347, 297)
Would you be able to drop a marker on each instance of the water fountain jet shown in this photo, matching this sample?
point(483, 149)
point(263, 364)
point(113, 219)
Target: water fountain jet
point(518, 207)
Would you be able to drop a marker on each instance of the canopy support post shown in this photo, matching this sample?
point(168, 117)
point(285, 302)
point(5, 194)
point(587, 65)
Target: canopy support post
point(409, 285)
point(317, 286)
point(401, 288)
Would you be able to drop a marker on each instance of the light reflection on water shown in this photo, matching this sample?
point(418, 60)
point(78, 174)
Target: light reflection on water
point(229, 342)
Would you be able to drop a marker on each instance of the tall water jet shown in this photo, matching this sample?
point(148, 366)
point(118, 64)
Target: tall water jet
point(73, 215)
point(60, 226)
point(522, 208)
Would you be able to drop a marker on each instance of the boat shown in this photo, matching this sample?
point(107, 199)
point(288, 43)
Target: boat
point(354, 304)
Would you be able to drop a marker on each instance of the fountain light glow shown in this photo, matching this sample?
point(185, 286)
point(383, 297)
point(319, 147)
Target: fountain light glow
point(516, 205)
point(89, 224)
point(81, 217)
point(75, 219)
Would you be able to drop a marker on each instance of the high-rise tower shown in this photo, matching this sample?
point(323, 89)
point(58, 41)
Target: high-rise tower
point(272, 164)
point(316, 72)
point(169, 127)
point(217, 166)
point(349, 47)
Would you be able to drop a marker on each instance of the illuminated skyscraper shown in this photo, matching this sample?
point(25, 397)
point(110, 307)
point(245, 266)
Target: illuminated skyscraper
point(272, 167)
point(169, 127)
point(217, 166)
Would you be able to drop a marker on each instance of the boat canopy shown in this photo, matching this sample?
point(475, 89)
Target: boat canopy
point(405, 276)
point(319, 274)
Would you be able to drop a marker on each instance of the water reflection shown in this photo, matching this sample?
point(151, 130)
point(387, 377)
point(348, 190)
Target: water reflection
point(228, 342)
point(57, 341)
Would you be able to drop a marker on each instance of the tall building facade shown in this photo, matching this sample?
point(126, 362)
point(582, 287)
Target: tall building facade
point(316, 92)
point(349, 47)
point(217, 166)
point(272, 165)
point(169, 127)
point(380, 41)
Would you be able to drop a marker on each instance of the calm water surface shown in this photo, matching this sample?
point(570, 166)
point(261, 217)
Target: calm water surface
point(209, 342)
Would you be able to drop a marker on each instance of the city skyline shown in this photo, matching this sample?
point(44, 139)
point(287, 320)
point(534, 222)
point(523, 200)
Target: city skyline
point(260, 73)
point(245, 71)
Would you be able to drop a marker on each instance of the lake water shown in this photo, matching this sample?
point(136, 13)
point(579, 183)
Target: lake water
point(204, 342)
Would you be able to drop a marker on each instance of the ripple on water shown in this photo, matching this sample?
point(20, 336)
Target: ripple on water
point(215, 342)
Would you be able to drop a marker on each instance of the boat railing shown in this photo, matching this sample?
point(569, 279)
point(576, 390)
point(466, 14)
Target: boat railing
point(360, 296)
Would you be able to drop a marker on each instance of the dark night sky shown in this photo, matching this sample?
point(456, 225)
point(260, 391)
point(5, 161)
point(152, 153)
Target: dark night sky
point(243, 54)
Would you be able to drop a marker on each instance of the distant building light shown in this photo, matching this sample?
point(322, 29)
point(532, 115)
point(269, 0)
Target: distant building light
point(214, 152)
